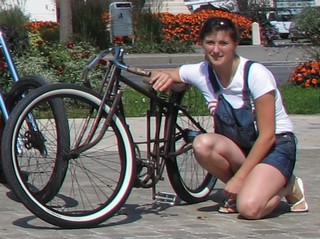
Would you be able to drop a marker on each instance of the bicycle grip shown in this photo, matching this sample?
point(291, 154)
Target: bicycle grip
point(139, 71)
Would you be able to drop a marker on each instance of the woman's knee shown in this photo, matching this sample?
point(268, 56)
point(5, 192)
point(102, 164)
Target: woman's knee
point(203, 144)
point(250, 208)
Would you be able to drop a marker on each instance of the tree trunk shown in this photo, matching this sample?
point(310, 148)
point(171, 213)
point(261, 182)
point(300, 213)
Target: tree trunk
point(66, 30)
point(243, 5)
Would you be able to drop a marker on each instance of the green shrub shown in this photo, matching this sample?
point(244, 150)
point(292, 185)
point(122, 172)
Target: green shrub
point(58, 63)
point(148, 28)
point(309, 22)
point(87, 23)
point(50, 32)
point(174, 46)
point(12, 24)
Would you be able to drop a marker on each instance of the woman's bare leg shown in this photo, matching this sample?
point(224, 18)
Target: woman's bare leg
point(263, 188)
point(218, 155)
point(261, 192)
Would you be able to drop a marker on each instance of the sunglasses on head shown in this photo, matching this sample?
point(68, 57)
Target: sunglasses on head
point(222, 22)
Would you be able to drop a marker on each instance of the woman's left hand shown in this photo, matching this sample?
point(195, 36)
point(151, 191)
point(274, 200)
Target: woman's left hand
point(233, 187)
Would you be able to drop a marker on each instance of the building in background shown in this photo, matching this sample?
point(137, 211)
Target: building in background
point(36, 10)
point(188, 6)
point(292, 7)
point(229, 5)
point(171, 6)
point(44, 10)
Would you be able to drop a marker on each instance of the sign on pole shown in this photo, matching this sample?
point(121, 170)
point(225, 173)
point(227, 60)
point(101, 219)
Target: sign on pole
point(121, 23)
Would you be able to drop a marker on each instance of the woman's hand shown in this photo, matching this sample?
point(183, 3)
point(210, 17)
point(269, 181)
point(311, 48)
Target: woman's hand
point(161, 81)
point(233, 187)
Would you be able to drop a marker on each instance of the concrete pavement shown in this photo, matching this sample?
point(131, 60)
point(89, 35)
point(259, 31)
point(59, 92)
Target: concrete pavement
point(141, 217)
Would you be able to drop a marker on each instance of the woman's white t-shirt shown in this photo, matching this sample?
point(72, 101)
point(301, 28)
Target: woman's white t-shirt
point(260, 81)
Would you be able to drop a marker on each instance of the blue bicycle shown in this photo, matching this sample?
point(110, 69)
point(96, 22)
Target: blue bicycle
point(39, 173)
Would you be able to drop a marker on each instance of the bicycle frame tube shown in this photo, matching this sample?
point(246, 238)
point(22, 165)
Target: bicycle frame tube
point(3, 107)
point(12, 70)
point(6, 53)
point(88, 143)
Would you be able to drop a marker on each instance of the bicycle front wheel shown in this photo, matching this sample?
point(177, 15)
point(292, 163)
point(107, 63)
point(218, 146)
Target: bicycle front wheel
point(190, 181)
point(99, 177)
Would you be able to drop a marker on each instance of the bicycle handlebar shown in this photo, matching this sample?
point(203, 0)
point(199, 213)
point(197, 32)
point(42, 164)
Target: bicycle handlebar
point(118, 61)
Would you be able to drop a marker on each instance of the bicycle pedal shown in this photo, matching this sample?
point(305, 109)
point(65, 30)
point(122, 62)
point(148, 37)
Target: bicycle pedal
point(166, 198)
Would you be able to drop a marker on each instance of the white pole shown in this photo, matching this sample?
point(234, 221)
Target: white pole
point(255, 34)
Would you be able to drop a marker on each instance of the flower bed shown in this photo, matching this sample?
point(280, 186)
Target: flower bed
point(185, 27)
point(306, 74)
point(40, 25)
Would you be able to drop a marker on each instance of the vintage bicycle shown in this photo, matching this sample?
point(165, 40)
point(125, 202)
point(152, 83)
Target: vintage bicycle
point(20, 88)
point(104, 159)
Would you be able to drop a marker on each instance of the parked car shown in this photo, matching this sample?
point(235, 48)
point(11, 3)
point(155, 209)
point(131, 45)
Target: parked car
point(295, 33)
point(281, 23)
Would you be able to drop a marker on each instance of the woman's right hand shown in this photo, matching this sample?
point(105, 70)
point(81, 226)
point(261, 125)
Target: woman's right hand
point(161, 81)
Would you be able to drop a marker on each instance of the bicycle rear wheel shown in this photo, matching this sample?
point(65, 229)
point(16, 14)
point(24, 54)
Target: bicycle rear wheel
point(41, 173)
point(189, 180)
point(98, 179)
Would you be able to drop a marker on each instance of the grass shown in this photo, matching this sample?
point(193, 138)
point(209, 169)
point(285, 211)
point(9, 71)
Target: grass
point(135, 104)
point(297, 100)
point(300, 100)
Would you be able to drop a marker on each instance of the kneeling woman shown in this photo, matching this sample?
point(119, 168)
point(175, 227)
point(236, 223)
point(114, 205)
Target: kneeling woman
point(257, 177)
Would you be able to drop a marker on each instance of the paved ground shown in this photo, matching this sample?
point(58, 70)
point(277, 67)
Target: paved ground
point(142, 217)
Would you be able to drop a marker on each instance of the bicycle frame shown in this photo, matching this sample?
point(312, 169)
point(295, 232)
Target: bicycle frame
point(160, 108)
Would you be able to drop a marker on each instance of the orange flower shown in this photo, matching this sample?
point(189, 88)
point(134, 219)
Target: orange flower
point(38, 25)
point(306, 74)
point(307, 83)
point(314, 81)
